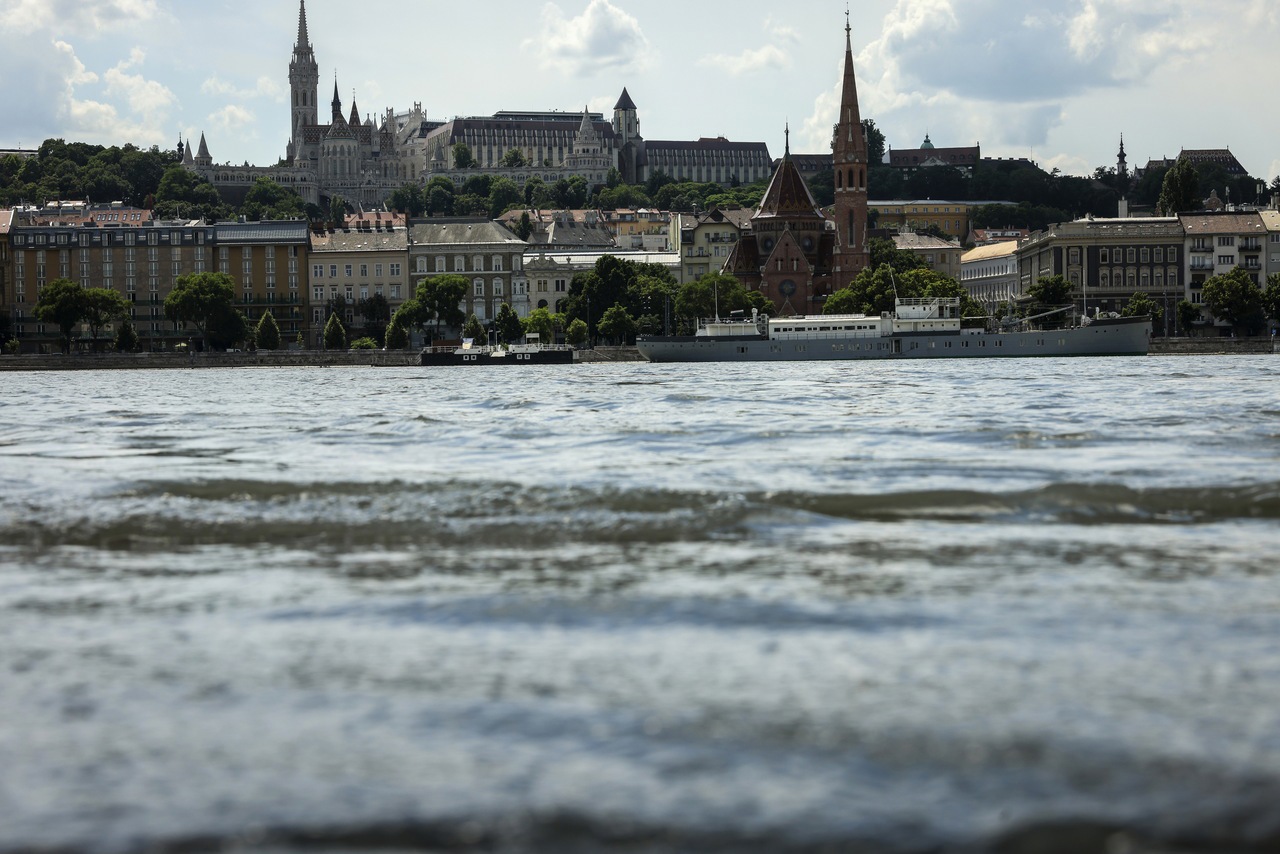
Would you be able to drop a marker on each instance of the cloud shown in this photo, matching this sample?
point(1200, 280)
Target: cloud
point(603, 36)
point(74, 17)
point(750, 61)
point(265, 87)
point(231, 117)
point(91, 119)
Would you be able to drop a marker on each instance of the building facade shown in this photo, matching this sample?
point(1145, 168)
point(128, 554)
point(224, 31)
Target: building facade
point(1107, 261)
point(707, 239)
point(365, 259)
point(965, 159)
point(941, 256)
point(486, 253)
point(902, 215)
point(990, 273)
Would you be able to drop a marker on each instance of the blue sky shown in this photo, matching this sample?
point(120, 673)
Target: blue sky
point(1055, 81)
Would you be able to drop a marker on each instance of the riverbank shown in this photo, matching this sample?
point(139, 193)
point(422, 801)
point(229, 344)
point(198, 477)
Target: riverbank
point(406, 358)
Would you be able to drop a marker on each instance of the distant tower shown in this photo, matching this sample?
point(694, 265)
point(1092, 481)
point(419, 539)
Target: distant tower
point(849, 161)
point(626, 125)
point(203, 158)
point(304, 83)
point(337, 105)
point(1122, 163)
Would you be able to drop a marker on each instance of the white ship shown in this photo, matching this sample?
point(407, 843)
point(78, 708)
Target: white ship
point(917, 329)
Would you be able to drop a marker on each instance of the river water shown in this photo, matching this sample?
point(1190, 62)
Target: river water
point(1014, 605)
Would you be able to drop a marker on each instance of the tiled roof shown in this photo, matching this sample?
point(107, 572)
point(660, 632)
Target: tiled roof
point(1226, 223)
point(923, 241)
point(460, 233)
point(991, 250)
point(1271, 219)
point(360, 240)
point(284, 231)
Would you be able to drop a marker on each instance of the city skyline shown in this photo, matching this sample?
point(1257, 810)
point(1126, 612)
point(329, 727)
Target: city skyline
point(1059, 87)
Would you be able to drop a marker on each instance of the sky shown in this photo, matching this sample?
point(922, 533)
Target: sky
point(1058, 82)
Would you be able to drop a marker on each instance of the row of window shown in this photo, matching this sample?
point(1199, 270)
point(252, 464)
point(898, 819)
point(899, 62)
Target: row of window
point(317, 270)
point(1129, 255)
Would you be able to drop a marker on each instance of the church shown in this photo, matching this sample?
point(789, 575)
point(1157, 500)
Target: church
point(792, 252)
point(364, 160)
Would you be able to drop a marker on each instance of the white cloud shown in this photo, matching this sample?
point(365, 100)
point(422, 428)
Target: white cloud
point(603, 36)
point(750, 61)
point(231, 117)
point(265, 87)
point(75, 17)
point(92, 119)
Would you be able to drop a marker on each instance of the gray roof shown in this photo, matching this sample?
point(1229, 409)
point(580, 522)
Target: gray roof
point(286, 231)
point(463, 234)
point(360, 240)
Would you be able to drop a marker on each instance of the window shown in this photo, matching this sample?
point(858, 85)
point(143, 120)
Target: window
point(347, 270)
point(497, 263)
point(395, 292)
point(317, 293)
point(1159, 254)
point(1130, 255)
point(1073, 256)
point(333, 271)
point(1226, 240)
point(317, 271)
point(497, 287)
point(478, 286)
point(1146, 255)
point(440, 264)
point(364, 292)
point(364, 271)
point(395, 270)
point(459, 264)
point(1104, 256)
point(377, 271)
point(421, 266)
point(1226, 260)
point(477, 263)
point(350, 295)
point(1173, 254)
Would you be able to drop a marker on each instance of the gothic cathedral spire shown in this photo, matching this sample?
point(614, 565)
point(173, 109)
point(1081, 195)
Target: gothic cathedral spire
point(849, 161)
point(304, 82)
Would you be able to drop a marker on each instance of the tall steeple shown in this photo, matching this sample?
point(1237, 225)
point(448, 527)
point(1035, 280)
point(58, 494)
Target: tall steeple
point(337, 103)
point(1122, 161)
point(849, 160)
point(304, 82)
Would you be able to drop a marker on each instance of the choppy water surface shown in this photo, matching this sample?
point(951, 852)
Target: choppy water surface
point(1023, 605)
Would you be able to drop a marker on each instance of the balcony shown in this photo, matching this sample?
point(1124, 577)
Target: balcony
point(1201, 247)
point(1251, 245)
point(1252, 264)
point(1202, 264)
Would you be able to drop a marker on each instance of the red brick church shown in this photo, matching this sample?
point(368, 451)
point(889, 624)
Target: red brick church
point(793, 253)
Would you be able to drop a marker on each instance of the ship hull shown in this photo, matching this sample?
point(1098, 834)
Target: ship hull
point(480, 358)
point(1118, 337)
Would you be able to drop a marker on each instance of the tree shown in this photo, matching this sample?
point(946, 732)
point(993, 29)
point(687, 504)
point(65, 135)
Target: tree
point(1140, 304)
point(268, 200)
point(268, 332)
point(503, 194)
point(410, 199)
point(1050, 290)
point(1181, 189)
point(524, 228)
point(462, 158)
point(514, 159)
point(473, 329)
point(617, 324)
point(1271, 297)
point(875, 142)
point(335, 336)
point(126, 337)
point(337, 210)
point(376, 312)
point(508, 325)
point(100, 307)
point(1236, 298)
point(576, 334)
point(397, 337)
point(440, 299)
point(541, 323)
point(201, 299)
point(61, 302)
point(1188, 314)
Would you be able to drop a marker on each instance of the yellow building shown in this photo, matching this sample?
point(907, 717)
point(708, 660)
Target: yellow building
point(267, 260)
point(707, 240)
point(355, 263)
point(951, 217)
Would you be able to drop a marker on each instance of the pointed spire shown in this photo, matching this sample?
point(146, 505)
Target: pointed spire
point(786, 152)
point(849, 145)
point(337, 101)
point(304, 41)
point(204, 147)
point(586, 129)
point(187, 159)
point(354, 121)
point(624, 101)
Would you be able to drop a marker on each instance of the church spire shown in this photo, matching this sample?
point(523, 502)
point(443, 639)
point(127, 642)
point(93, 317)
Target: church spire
point(337, 102)
point(849, 161)
point(304, 41)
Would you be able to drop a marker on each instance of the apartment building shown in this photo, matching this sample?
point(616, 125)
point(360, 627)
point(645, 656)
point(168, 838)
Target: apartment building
point(367, 258)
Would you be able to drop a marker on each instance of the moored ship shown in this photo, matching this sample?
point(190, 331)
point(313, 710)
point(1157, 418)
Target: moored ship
point(529, 353)
point(927, 328)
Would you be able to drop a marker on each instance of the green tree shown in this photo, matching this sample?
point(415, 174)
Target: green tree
point(473, 329)
point(201, 299)
point(440, 299)
point(335, 335)
point(514, 159)
point(61, 302)
point(524, 228)
point(440, 200)
point(1188, 314)
point(1236, 298)
point(617, 325)
point(695, 300)
point(410, 199)
point(541, 323)
point(508, 325)
point(268, 337)
point(576, 334)
point(268, 200)
point(871, 292)
point(462, 157)
point(1140, 304)
point(397, 337)
point(337, 211)
point(1271, 296)
point(1181, 189)
point(100, 307)
point(227, 328)
point(126, 337)
point(875, 142)
point(376, 312)
point(503, 195)
point(1050, 290)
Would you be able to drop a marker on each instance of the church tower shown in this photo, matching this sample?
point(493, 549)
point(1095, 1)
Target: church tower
point(849, 160)
point(1122, 161)
point(631, 154)
point(304, 82)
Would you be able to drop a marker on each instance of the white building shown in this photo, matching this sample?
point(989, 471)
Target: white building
point(990, 273)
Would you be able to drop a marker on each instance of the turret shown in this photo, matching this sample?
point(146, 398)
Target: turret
point(304, 82)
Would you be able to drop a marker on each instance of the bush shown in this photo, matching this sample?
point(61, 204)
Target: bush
point(397, 337)
point(576, 334)
point(335, 336)
point(126, 337)
point(365, 343)
point(268, 332)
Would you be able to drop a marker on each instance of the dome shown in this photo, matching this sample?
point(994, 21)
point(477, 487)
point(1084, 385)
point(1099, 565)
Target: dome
point(926, 143)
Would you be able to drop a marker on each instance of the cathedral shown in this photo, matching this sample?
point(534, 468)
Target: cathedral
point(792, 252)
point(363, 160)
